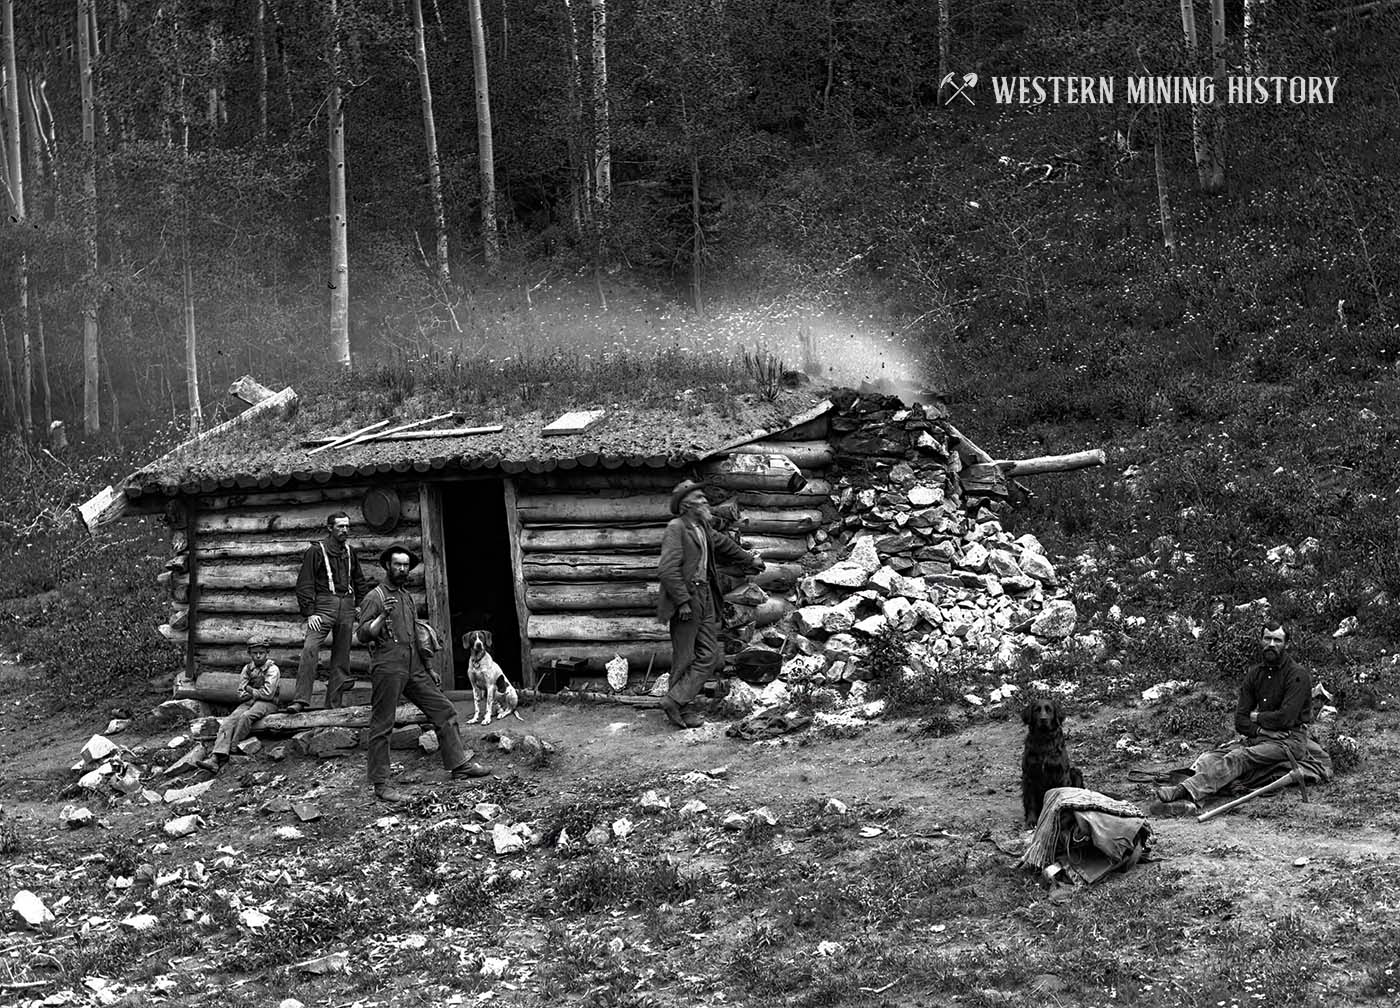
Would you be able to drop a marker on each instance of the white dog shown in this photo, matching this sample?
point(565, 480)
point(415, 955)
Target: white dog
point(489, 683)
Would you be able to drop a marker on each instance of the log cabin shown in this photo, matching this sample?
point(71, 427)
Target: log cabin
point(547, 537)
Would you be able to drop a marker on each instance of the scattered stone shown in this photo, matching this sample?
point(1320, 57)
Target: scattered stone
point(734, 821)
point(1056, 620)
point(493, 968)
point(1035, 565)
point(506, 840)
point(835, 806)
point(306, 811)
point(650, 801)
point(693, 808)
point(598, 836)
point(288, 833)
point(846, 574)
point(140, 922)
point(505, 743)
point(864, 554)
point(925, 496)
point(405, 737)
point(179, 797)
point(205, 728)
point(1346, 627)
point(275, 806)
point(116, 726)
point(31, 910)
point(324, 741)
point(622, 828)
point(427, 742)
point(180, 711)
point(250, 746)
point(277, 753)
point(974, 558)
point(187, 762)
point(336, 962)
point(98, 748)
point(184, 825)
point(95, 778)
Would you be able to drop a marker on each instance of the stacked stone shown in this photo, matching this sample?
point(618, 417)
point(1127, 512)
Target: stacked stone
point(917, 554)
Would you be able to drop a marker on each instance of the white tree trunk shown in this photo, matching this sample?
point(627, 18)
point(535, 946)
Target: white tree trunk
point(91, 371)
point(1199, 143)
point(945, 30)
point(339, 281)
point(580, 163)
point(260, 66)
point(420, 51)
point(191, 340)
point(602, 119)
point(490, 240)
point(1254, 13)
point(14, 163)
point(1217, 52)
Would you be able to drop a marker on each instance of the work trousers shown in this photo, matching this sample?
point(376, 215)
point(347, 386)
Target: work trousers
point(239, 725)
point(418, 688)
point(337, 614)
point(1216, 768)
point(695, 652)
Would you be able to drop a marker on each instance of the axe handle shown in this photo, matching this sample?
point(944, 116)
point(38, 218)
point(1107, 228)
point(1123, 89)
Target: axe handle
point(1277, 785)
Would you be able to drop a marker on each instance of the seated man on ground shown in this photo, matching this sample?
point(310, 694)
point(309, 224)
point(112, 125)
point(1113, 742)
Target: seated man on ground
point(257, 695)
point(1275, 706)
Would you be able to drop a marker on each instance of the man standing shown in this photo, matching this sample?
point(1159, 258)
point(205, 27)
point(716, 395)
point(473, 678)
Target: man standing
point(257, 695)
point(1272, 715)
point(397, 670)
point(690, 597)
point(328, 587)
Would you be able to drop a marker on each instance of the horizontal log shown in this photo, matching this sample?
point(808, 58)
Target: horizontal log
point(537, 509)
point(1051, 463)
point(804, 454)
point(284, 498)
point(543, 568)
point(264, 576)
point(233, 656)
point(226, 629)
point(341, 717)
point(778, 575)
point(573, 627)
point(590, 538)
point(570, 480)
point(597, 655)
point(778, 547)
point(816, 493)
point(582, 596)
point(309, 519)
point(780, 521)
point(247, 603)
point(222, 688)
point(772, 473)
point(367, 548)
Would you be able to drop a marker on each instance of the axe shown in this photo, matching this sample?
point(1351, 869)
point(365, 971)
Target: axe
point(1278, 785)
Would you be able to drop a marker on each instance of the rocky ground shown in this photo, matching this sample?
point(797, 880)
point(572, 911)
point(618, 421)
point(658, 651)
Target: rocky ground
point(855, 863)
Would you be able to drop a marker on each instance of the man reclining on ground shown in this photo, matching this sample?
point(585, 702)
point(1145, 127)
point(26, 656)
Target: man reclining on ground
point(1274, 709)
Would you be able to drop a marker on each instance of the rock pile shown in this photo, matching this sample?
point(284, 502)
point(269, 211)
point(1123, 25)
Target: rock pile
point(909, 543)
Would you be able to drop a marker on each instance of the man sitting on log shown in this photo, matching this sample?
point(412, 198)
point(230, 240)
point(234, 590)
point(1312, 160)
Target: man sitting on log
point(397, 671)
point(1275, 706)
point(690, 597)
point(328, 587)
point(257, 695)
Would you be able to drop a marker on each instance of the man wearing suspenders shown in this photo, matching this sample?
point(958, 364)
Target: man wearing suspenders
point(328, 588)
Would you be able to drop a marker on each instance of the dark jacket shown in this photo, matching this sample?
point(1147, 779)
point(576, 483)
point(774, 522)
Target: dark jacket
point(395, 649)
point(680, 564)
point(345, 568)
point(1282, 696)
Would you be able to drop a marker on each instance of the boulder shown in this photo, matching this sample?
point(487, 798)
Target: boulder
point(845, 574)
point(884, 579)
point(808, 619)
point(1003, 564)
point(98, 748)
point(924, 496)
point(901, 475)
point(322, 741)
point(841, 647)
point(838, 619)
point(864, 554)
point(871, 625)
point(974, 558)
point(1029, 544)
point(1056, 620)
point(1037, 567)
point(180, 711)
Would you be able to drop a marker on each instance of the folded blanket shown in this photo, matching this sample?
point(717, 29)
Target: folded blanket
point(1045, 842)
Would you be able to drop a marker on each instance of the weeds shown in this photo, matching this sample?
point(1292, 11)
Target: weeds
point(605, 879)
point(766, 371)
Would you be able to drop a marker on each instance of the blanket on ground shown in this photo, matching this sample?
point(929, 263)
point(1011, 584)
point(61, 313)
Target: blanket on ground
point(1090, 833)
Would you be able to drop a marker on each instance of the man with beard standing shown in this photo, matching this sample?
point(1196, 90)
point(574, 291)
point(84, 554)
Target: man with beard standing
point(1272, 715)
point(398, 671)
point(328, 586)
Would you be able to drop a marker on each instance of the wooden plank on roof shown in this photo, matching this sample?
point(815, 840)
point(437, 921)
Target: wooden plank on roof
point(796, 420)
point(575, 422)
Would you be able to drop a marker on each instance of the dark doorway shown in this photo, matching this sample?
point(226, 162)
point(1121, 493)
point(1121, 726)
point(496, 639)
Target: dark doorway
point(480, 584)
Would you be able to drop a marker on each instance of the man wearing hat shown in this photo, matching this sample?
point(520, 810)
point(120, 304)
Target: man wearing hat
point(329, 584)
point(257, 695)
point(398, 671)
point(690, 597)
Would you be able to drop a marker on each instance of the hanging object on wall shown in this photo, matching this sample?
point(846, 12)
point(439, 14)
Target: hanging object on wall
point(381, 508)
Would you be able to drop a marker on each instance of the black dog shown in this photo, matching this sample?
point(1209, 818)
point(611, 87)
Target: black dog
point(1045, 761)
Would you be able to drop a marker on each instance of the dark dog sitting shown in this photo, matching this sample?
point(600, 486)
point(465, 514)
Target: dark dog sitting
point(1045, 760)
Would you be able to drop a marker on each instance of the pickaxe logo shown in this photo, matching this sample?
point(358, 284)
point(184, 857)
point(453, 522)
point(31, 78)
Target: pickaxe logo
point(968, 82)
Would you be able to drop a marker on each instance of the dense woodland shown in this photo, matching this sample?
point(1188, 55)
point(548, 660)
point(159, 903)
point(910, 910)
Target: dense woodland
point(199, 189)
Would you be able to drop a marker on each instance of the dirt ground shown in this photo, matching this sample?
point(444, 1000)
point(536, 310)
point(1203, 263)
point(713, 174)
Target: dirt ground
point(1269, 865)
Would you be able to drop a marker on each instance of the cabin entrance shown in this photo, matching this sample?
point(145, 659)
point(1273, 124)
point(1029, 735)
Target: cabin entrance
point(480, 582)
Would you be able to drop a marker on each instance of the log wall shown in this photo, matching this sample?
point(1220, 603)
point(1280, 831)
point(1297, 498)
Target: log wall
point(590, 544)
point(248, 549)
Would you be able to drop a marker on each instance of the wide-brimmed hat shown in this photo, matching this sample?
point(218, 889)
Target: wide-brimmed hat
point(413, 558)
point(258, 640)
point(679, 494)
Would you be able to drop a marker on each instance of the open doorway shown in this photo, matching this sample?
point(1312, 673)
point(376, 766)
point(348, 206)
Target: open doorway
point(480, 583)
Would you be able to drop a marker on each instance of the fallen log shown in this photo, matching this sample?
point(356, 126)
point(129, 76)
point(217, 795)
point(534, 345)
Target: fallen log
point(585, 629)
point(804, 454)
point(338, 717)
point(555, 567)
point(590, 538)
point(222, 687)
point(771, 473)
point(581, 596)
point(304, 519)
point(1051, 463)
